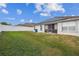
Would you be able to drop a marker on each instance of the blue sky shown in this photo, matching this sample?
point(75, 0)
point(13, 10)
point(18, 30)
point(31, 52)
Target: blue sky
point(16, 13)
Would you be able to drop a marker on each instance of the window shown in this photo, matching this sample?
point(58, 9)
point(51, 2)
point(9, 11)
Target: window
point(69, 28)
point(64, 29)
point(72, 29)
point(40, 27)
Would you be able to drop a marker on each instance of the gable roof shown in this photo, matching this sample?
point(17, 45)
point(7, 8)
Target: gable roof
point(27, 24)
point(59, 19)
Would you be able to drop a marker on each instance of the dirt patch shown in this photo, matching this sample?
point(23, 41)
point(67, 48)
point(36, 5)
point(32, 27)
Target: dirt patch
point(51, 52)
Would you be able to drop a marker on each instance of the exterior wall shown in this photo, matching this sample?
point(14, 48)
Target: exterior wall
point(52, 28)
point(69, 23)
point(56, 26)
point(78, 26)
point(59, 26)
point(15, 28)
point(38, 28)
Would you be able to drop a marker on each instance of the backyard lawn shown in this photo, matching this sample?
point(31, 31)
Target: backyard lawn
point(37, 44)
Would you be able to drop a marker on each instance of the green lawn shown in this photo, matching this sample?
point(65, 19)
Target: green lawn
point(37, 44)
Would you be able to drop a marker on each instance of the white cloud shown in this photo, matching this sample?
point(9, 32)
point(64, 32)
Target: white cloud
point(55, 7)
point(27, 4)
point(22, 20)
point(38, 7)
point(10, 18)
point(44, 14)
point(4, 11)
point(72, 15)
point(48, 8)
point(19, 12)
point(30, 20)
point(65, 15)
point(3, 5)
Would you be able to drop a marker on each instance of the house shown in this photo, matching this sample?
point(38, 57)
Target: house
point(27, 24)
point(61, 25)
point(15, 28)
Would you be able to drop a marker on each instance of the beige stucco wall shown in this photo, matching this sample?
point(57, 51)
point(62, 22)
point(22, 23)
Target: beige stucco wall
point(15, 28)
point(38, 28)
point(69, 23)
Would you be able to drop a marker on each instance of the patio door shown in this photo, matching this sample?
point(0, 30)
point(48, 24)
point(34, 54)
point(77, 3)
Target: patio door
point(51, 28)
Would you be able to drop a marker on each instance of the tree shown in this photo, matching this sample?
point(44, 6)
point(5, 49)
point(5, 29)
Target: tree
point(5, 23)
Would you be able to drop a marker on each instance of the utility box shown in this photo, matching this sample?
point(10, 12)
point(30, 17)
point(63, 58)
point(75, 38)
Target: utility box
point(35, 30)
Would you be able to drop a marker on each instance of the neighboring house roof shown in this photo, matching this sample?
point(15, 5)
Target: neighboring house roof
point(27, 24)
point(59, 19)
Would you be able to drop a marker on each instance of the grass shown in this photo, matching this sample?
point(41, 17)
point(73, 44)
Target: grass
point(37, 44)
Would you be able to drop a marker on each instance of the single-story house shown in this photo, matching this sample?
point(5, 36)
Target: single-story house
point(15, 28)
point(61, 25)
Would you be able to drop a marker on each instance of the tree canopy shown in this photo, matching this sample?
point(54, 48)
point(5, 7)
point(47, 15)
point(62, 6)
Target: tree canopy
point(5, 23)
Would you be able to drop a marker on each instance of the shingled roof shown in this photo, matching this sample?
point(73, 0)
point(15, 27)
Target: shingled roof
point(59, 19)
